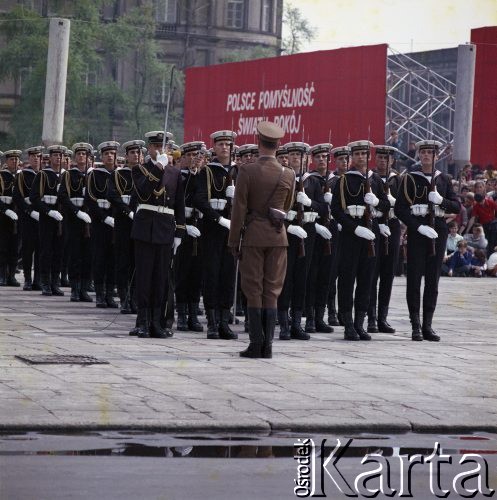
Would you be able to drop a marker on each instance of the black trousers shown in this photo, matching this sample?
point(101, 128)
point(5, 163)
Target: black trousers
point(124, 251)
point(297, 271)
point(335, 255)
point(151, 273)
point(50, 234)
point(420, 263)
point(78, 248)
point(385, 269)
point(30, 246)
point(355, 267)
point(102, 243)
point(318, 281)
point(9, 241)
point(188, 271)
point(218, 269)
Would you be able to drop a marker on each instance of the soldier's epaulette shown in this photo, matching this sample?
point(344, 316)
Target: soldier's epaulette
point(148, 175)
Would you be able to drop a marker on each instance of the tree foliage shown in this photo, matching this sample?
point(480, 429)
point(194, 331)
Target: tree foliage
point(104, 100)
point(298, 28)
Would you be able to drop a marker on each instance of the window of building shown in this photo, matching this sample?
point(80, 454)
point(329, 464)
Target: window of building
point(235, 13)
point(267, 16)
point(24, 74)
point(89, 77)
point(166, 11)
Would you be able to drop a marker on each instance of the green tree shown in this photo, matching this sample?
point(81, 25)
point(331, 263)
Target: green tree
point(258, 52)
point(298, 28)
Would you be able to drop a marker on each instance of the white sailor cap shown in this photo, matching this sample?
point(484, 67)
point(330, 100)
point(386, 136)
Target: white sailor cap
point(360, 145)
point(245, 149)
point(428, 144)
point(254, 149)
point(223, 135)
point(340, 151)
point(82, 146)
point(108, 146)
point(173, 146)
point(299, 147)
point(321, 148)
point(121, 159)
point(68, 152)
point(34, 150)
point(188, 147)
point(13, 153)
point(56, 148)
point(281, 151)
point(135, 144)
point(157, 136)
point(383, 149)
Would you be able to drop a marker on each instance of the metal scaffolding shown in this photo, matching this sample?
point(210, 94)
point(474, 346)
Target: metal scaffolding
point(420, 102)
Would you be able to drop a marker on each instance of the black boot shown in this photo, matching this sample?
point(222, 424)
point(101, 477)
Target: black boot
point(3, 276)
point(212, 324)
point(296, 331)
point(332, 312)
point(91, 286)
point(11, 277)
point(372, 325)
point(268, 326)
point(109, 298)
point(64, 280)
point(75, 290)
point(321, 326)
point(349, 332)
point(383, 325)
point(182, 322)
point(100, 296)
point(310, 326)
point(28, 283)
point(417, 336)
point(124, 300)
point(225, 331)
point(143, 323)
point(56, 288)
point(256, 334)
point(46, 289)
point(36, 282)
point(358, 325)
point(428, 333)
point(138, 322)
point(83, 292)
point(156, 329)
point(193, 322)
point(283, 322)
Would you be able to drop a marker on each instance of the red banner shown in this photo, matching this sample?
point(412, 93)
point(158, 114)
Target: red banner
point(484, 133)
point(336, 95)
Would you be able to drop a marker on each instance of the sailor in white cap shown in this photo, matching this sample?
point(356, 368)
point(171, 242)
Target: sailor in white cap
point(423, 199)
point(102, 224)
point(388, 247)
point(77, 223)
point(9, 236)
point(158, 226)
point(356, 194)
point(123, 209)
point(29, 217)
point(215, 190)
point(44, 199)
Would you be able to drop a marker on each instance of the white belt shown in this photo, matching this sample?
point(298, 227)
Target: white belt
point(50, 199)
point(376, 214)
point(155, 208)
point(310, 217)
point(190, 211)
point(27, 200)
point(6, 199)
point(290, 215)
point(103, 203)
point(439, 212)
point(391, 214)
point(126, 198)
point(420, 209)
point(77, 202)
point(218, 203)
point(356, 211)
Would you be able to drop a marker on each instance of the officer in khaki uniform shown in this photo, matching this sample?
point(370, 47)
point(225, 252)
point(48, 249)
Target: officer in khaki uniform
point(264, 193)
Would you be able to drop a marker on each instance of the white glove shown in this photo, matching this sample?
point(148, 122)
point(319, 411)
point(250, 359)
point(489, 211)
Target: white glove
point(384, 230)
point(176, 244)
point(162, 159)
point(297, 231)
point(371, 199)
point(427, 231)
point(328, 197)
point(11, 214)
point(364, 232)
point(323, 231)
point(131, 215)
point(378, 214)
point(224, 222)
point(339, 226)
point(435, 197)
point(109, 221)
point(304, 199)
point(35, 215)
point(391, 200)
point(230, 192)
point(84, 217)
point(192, 231)
point(55, 215)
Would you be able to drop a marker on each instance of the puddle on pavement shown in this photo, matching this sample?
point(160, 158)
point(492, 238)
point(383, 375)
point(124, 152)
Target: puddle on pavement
point(283, 445)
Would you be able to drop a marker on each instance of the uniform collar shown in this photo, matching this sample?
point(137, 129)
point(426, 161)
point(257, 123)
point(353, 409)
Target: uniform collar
point(101, 169)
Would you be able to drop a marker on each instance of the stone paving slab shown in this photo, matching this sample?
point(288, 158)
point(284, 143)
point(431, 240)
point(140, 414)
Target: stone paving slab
point(190, 383)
